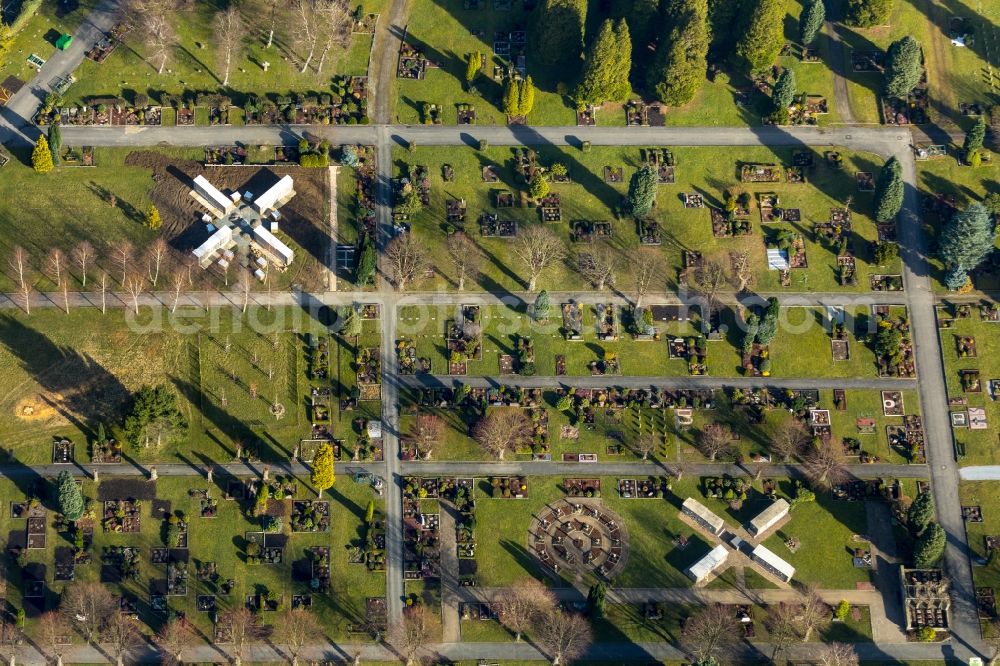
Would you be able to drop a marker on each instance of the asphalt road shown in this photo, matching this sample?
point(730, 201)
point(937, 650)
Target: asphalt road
point(883, 140)
point(619, 381)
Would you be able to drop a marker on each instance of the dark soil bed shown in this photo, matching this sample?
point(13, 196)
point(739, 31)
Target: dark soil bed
point(302, 218)
point(115, 489)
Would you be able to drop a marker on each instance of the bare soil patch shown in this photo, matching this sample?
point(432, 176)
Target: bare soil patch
point(304, 218)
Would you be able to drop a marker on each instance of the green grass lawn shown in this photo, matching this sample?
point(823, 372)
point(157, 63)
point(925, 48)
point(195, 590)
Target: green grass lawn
point(945, 176)
point(446, 32)
point(220, 540)
point(980, 445)
point(67, 373)
point(503, 325)
point(705, 170)
point(824, 528)
point(625, 623)
point(678, 443)
point(83, 211)
point(955, 75)
point(195, 65)
point(984, 494)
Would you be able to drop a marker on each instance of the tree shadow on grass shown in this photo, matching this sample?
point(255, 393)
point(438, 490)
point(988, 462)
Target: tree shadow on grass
point(74, 384)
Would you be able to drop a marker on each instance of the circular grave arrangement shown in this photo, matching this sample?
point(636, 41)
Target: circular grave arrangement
point(579, 535)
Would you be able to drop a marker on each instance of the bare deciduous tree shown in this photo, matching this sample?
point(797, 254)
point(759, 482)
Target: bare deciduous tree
point(155, 256)
point(121, 635)
point(335, 23)
point(178, 282)
point(814, 614)
point(710, 279)
point(782, 627)
point(407, 259)
point(18, 263)
point(55, 269)
point(229, 34)
point(22, 271)
point(173, 638)
point(503, 429)
point(715, 440)
point(135, 285)
point(711, 632)
point(53, 633)
point(837, 654)
point(55, 266)
point(103, 284)
point(245, 285)
point(521, 605)
point(649, 271)
point(123, 252)
point(417, 628)
point(598, 266)
point(273, 6)
point(645, 444)
point(826, 464)
point(466, 258)
point(788, 438)
point(320, 24)
point(297, 628)
point(152, 18)
point(89, 607)
point(427, 432)
point(83, 254)
point(538, 247)
point(244, 627)
point(564, 635)
point(741, 264)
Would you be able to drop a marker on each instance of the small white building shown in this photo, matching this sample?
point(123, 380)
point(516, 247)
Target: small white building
point(769, 517)
point(217, 241)
point(275, 197)
point(281, 252)
point(210, 197)
point(701, 515)
point(708, 564)
point(774, 564)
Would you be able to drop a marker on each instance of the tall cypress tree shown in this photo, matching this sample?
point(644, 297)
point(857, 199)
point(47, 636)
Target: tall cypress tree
point(525, 96)
point(889, 191)
point(511, 97)
point(69, 497)
point(723, 21)
point(784, 90)
point(606, 69)
point(642, 191)
point(763, 38)
point(681, 57)
point(811, 21)
point(559, 31)
point(976, 136)
point(769, 322)
point(55, 142)
point(904, 67)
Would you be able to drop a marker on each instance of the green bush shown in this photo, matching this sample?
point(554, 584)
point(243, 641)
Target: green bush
point(314, 160)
